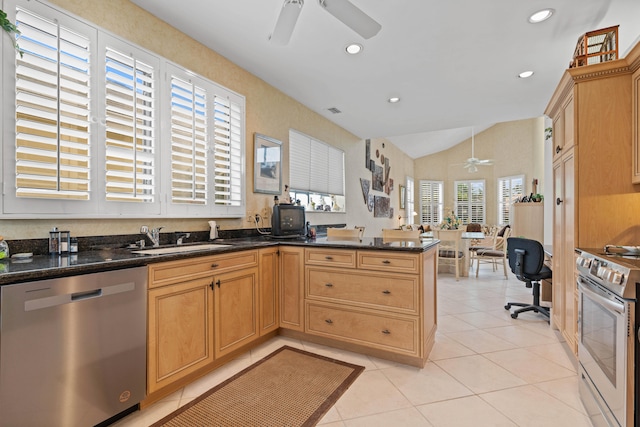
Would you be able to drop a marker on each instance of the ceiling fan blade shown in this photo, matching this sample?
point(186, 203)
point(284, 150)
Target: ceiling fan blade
point(286, 22)
point(486, 162)
point(352, 17)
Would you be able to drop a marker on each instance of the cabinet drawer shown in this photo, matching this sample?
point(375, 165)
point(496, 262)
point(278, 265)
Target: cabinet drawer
point(333, 257)
point(373, 329)
point(385, 261)
point(376, 290)
point(175, 271)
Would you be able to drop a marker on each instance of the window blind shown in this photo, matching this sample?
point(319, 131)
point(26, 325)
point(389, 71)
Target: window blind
point(130, 128)
point(227, 152)
point(431, 201)
point(189, 135)
point(315, 166)
point(53, 111)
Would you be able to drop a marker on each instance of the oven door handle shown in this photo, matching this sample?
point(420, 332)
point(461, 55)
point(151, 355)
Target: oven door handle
point(601, 299)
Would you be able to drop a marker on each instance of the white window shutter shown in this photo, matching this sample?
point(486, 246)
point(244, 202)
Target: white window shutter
point(299, 158)
point(335, 173)
point(227, 152)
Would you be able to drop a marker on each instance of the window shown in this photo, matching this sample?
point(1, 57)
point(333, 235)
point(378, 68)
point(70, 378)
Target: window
point(431, 202)
point(470, 201)
point(409, 202)
point(510, 188)
point(316, 173)
point(82, 135)
point(53, 110)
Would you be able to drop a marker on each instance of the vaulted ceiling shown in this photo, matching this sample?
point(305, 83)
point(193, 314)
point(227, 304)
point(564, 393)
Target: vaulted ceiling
point(453, 64)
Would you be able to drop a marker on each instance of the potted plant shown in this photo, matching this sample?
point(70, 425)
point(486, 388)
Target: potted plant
point(11, 29)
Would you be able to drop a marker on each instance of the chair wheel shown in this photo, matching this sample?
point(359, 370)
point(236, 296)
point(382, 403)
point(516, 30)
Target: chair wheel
point(507, 307)
point(514, 315)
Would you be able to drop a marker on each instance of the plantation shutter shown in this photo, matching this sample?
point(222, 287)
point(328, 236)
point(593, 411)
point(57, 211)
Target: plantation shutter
point(53, 110)
point(188, 142)
point(430, 202)
point(227, 152)
point(130, 128)
point(470, 201)
point(509, 190)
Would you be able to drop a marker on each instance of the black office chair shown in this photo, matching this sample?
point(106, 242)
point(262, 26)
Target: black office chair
point(526, 260)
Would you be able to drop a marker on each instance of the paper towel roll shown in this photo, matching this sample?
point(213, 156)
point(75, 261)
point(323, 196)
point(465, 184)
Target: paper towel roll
point(213, 233)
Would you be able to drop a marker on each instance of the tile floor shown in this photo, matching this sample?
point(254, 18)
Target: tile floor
point(485, 369)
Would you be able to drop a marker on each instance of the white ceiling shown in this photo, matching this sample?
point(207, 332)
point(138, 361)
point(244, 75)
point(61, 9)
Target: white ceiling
point(454, 64)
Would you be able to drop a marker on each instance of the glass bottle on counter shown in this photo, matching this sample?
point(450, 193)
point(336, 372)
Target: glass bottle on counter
point(4, 248)
point(54, 241)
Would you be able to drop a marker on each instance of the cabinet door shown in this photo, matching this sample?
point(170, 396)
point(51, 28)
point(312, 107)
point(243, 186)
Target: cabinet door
point(558, 245)
point(269, 290)
point(558, 135)
point(180, 331)
point(292, 288)
point(568, 253)
point(635, 119)
point(236, 310)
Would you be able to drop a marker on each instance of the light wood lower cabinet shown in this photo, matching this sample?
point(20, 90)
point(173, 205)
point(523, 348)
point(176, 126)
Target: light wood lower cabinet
point(383, 302)
point(199, 309)
point(269, 289)
point(292, 288)
point(180, 331)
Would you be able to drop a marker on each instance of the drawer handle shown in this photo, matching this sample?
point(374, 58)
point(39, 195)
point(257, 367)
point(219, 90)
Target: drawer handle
point(329, 258)
point(386, 332)
point(329, 285)
point(329, 321)
point(215, 265)
point(386, 292)
point(218, 282)
point(386, 261)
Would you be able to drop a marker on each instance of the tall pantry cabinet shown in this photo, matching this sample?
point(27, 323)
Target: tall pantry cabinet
point(595, 202)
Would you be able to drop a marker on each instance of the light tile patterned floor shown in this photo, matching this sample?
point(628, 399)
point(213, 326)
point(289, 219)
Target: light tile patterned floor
point(486, 369)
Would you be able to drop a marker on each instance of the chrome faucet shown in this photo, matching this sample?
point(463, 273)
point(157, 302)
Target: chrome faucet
point(182, 236)
point(153, 234)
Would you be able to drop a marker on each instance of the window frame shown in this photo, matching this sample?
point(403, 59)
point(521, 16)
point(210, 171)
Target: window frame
point(438, 206)
point(470, 206)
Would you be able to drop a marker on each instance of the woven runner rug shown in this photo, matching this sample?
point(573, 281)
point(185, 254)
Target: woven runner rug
point(290, 387)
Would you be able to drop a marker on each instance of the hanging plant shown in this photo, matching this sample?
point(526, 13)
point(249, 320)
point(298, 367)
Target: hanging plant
point(11, 29)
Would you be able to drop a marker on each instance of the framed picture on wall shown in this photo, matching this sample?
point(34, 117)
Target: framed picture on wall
point(267, 171)
point(403, 196)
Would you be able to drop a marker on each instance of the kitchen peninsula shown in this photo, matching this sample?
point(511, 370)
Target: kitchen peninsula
point(373, 296)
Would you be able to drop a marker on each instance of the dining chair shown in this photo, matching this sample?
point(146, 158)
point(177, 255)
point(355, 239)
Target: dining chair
point(350, 233)
point(394, 233)
point(450, 248)
point(495, 255)
point(489, 242)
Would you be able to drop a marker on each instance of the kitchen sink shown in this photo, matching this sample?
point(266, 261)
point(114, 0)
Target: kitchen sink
point(180, 249)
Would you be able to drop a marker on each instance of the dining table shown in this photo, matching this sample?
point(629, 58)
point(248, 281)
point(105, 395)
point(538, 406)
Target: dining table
point(467, 238)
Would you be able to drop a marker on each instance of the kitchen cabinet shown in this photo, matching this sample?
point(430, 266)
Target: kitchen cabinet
point(527, 220)
point(594, 201)
point(635, 121)
point(269, 289)
point(379, 302)
point(236, 309)
point(198, 309)
point(564, 242)
point(292, 288)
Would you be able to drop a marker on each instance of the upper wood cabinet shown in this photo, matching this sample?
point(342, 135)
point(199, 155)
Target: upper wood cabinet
point(635, 120)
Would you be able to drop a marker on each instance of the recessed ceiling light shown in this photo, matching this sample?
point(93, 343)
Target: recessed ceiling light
point(525, 74)
point(394, 99)
point(541, 15)
point(354, 48)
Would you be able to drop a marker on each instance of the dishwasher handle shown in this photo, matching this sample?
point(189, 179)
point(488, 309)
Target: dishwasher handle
point(56, 300)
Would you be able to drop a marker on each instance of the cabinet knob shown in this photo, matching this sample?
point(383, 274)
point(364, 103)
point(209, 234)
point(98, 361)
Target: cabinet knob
point(386, 332)
point(386, 261)
point(329, 285)
point(218, 282)
point(558, 149)
point(386, 292)
point(329, 321)
point(558, 201)
point(215, 265)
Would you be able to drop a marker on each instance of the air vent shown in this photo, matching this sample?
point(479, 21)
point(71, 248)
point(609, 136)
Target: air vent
point(334, 110)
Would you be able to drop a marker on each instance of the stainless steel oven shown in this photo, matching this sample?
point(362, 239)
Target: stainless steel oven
point(607, 330)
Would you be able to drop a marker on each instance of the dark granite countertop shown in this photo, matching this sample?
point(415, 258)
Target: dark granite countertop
point(41, 267)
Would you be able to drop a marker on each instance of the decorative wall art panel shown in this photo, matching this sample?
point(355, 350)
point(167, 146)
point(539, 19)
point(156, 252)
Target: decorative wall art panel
point(382, 206)
point(365, 184)
point(378, 178)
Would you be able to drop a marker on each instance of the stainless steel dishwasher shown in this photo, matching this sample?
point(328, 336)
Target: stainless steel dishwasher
point(73, 349)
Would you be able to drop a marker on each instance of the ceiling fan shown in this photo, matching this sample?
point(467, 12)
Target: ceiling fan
point(344, 10)
point(473, 162)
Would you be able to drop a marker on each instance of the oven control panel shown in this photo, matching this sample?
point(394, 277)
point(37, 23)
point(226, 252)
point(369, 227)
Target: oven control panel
point(605, 272)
